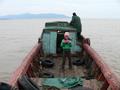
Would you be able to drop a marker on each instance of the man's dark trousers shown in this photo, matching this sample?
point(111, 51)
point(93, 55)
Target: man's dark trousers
point(66, 54)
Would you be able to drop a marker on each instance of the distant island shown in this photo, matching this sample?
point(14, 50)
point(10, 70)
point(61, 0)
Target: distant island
point(33, 16)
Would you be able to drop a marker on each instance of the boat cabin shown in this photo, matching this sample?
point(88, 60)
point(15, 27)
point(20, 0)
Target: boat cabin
point(52, 35)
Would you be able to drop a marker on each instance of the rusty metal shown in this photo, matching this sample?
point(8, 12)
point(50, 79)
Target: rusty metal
point(110, 77)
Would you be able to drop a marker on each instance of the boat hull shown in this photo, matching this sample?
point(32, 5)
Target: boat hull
point(99, 68)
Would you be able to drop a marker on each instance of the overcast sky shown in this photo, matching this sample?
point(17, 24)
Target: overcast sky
point(84, 8)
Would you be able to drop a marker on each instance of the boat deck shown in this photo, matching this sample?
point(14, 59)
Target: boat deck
point(57, 71)
point(76, 71)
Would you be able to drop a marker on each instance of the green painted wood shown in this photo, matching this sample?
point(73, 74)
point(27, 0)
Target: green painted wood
point(53, 37)
point(58, 25)
point(75, 48)
point(46, 42)
point(59, 28)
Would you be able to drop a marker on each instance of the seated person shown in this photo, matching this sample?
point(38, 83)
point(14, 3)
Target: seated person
point(76, 23)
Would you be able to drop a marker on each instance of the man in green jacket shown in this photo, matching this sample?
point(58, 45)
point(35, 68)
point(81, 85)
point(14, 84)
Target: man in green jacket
point(76, 23)
point(66, 46)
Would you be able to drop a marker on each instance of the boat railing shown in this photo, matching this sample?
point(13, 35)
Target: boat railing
point(110, 79)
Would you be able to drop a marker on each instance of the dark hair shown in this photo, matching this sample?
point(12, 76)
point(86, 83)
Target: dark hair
point(74, 14)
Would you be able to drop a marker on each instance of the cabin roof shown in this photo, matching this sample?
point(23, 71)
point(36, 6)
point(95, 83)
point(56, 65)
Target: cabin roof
point(58, 25)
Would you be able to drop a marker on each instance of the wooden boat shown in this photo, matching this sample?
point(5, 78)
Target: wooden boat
point(88, 65)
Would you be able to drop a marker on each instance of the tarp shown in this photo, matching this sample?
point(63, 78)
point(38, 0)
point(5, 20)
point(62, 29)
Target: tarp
point(68, 82)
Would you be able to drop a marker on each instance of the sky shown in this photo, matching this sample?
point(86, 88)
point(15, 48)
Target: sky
point(84, 8)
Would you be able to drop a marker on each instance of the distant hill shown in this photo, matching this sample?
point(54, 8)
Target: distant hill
point(33, 16)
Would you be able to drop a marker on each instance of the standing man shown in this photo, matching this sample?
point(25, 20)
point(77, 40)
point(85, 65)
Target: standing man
point(66, 46)
point(76, 23)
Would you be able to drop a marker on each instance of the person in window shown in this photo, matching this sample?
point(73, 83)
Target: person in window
point(76, 23)
point(66, 46)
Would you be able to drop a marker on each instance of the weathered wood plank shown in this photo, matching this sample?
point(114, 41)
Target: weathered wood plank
point(87, 83)
point(58, 72)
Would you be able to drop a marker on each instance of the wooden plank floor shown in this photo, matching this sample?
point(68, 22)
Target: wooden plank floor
point(58, 72)
point(77, 71)
point(93, 84)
